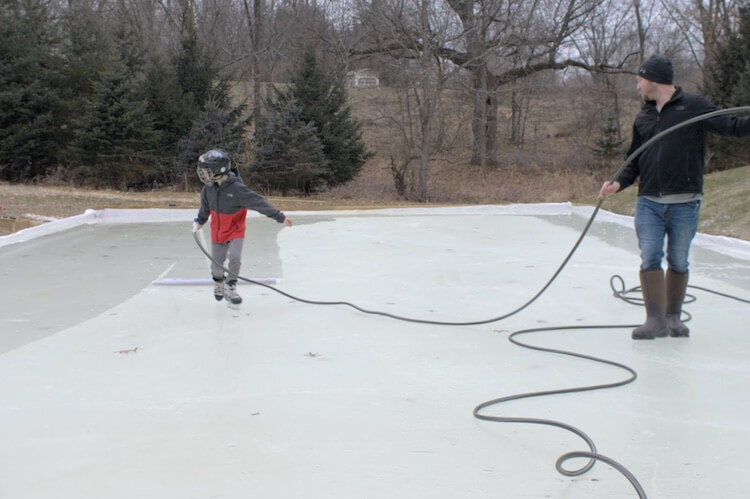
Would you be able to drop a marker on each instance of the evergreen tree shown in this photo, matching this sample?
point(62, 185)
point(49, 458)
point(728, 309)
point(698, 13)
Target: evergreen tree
point(215, 128)
point(321, 98)
point(195, 71)
point(176, 90)
point(740, 92)
point(192, 106)
point(173, 110)
point(31, 110)
point(728, 85)
point(114, 142)
point(288, 153)
point(608, 146)
point(85, 48)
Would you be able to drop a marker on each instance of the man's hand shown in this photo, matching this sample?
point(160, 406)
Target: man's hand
point(288, 222)
point(609, 188)
point(196, 225)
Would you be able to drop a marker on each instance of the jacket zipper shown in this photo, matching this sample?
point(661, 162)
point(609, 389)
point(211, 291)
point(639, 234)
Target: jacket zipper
point(218, 218)
point(659, 159)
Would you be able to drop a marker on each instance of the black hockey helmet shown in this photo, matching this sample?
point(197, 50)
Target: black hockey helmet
point(213, 164)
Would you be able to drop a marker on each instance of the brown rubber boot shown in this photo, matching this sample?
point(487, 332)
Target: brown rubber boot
point(655, 299)
point(676, 286)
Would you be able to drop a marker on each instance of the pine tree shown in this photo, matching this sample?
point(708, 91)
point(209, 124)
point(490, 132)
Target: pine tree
point(114, 143)
point(176, 90)
point(288, 153)
point(173, 110)
point(740, 91)
point(728, 85)
point(195, 107)
point(31, 110)
point(608, 146)
point(215, 128)
point(321, 98)
point(195, 72)
point(85, 48)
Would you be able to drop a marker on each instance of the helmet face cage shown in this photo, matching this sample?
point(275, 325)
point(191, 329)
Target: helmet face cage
point(205, 175)
point(213, 164)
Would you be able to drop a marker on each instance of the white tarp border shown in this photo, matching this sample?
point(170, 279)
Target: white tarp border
point(737, 248)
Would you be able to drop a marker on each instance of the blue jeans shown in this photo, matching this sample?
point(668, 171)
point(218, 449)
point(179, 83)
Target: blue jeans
point(678, 222)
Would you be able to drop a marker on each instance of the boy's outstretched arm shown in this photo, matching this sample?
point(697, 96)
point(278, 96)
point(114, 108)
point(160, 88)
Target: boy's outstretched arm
point(254, 201)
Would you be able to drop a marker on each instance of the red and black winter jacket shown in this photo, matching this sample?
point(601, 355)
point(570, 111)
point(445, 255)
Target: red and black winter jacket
point(227, 204)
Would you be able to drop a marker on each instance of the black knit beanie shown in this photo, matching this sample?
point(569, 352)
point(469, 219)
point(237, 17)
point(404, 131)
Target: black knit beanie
point(657, 69)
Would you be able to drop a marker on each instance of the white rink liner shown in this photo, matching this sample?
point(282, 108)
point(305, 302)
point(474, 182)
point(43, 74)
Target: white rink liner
point(726, 245)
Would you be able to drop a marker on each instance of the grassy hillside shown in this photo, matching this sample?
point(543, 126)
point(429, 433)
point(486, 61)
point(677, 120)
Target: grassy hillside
point(726, 203)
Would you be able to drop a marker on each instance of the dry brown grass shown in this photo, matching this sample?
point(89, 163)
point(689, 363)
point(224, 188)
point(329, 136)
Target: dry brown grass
point(24, 205)
point(551, 167)
point(460, 183)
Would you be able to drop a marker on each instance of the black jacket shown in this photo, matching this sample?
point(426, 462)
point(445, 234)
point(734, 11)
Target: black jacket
point(674, 164)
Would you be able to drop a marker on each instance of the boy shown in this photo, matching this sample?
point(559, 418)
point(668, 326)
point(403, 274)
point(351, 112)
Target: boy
point(226, 199)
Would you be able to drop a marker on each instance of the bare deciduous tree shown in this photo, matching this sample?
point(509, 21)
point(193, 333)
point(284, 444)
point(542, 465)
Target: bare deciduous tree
point(499, 42)
point(412, 33)
point(703, 24)
point(615, 33)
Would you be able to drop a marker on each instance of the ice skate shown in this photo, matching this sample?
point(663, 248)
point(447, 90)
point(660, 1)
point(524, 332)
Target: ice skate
point(219, 289)
point(230, 293)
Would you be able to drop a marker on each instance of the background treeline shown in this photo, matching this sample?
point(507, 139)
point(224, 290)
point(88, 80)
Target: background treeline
point(127, 93)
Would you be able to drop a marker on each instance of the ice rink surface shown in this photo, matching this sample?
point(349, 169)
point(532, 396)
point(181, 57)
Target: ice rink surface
point(116, 385)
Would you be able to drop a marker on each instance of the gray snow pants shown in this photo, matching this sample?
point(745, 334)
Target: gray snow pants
point(220, 252)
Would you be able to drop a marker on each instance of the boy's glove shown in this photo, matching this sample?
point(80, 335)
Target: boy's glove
point(196, 225)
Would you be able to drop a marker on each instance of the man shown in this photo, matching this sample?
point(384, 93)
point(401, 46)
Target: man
point(670, 173)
